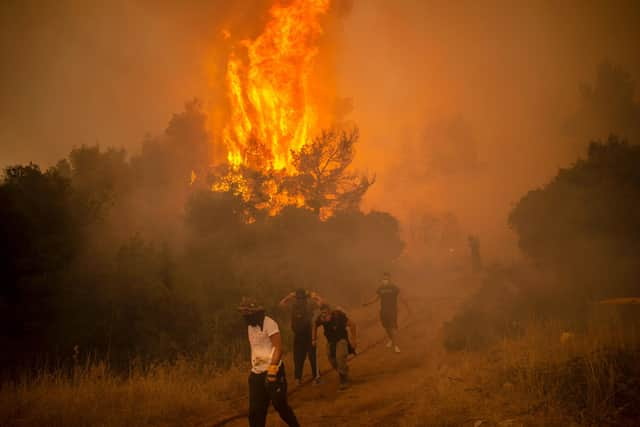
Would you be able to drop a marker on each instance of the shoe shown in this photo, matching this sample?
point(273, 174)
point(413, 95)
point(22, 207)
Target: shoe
point(396, 349)
point(317, 381)
point(389, 344)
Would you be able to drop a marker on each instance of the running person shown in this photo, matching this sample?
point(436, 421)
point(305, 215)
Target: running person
point(388, 294)
point(302, 305)
point(267, 380)
point(337, 328)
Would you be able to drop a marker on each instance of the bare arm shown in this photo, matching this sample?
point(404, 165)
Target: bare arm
point(372, 301)
point(405, 304)
point(316, 298)
point(286, 300)
point(352, 332)
point(274, 366)
point(276, 341)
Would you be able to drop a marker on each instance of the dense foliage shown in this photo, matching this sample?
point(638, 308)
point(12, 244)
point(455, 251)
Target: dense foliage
point(582, 232)
point(585, 223)
point(120, 257)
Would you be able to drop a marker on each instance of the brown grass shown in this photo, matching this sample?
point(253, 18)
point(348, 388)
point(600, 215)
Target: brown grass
point(536, 380)
point(179, 393)
point(590, 379)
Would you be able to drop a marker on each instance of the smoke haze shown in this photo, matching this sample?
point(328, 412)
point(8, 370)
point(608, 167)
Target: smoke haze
point(462, 107)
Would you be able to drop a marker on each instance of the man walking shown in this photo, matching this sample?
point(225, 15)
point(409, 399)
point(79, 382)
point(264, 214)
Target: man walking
point(267, 380)
point(388, 295)
point(339, 344)
point(302, 305)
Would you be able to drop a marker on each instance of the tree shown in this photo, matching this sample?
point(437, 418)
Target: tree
point(323, 181)
point(586, 221)
point(42, 225)
point(166, 161)
point(324, 178)
point(101, 177)
point(39, 222)
point(607, 106)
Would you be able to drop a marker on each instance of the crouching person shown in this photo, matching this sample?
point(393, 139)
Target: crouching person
point(337, 327)
point(267, 380)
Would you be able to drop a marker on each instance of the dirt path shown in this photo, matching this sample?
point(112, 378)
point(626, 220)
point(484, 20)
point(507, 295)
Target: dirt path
point(384, 384)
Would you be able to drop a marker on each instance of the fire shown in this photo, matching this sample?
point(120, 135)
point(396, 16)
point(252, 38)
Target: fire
point(271, 110)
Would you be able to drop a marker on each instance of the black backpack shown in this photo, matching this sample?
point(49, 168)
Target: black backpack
point(301, 315)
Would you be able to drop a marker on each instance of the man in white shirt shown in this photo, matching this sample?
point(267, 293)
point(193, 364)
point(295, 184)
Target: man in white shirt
point(267, 380)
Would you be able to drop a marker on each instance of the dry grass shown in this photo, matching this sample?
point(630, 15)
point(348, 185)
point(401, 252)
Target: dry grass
point(180, 393)
point(593, 374)
point(591, 378)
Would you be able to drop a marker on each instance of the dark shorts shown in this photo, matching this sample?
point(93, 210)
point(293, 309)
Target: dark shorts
point(389, 320)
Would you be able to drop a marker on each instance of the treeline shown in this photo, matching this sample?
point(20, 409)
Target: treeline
point(121, 258)
point(581, 232)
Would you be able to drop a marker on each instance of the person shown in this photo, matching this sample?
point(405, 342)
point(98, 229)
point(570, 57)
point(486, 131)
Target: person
point(340, 332)
point(476, 259)
point(267, 380)
point(388, 295)
point(302, 304)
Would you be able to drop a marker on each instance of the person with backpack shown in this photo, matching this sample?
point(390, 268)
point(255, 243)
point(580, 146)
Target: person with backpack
point(267, 380)
point(303, 304)
point(388, 295)
point(340, 332)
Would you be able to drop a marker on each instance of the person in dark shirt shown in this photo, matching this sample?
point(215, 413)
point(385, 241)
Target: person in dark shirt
point(388, 295)
point(340, 332)
point(302, 304)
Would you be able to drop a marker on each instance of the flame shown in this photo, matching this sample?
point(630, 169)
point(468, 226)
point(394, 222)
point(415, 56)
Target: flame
point(271, 110)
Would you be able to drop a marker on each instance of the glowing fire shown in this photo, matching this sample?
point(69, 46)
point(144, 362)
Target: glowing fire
point(271, 109)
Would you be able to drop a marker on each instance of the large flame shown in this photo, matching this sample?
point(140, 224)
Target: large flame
point(272, 112)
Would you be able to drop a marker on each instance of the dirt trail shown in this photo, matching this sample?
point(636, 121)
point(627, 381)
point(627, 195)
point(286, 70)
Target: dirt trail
point(383, 384)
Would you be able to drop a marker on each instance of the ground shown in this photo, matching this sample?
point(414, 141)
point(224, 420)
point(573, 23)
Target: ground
point(421, 386)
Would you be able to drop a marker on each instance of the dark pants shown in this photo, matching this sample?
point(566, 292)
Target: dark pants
point(301, 348)
point(389, 319)
point(338, 352)
point(262, 392)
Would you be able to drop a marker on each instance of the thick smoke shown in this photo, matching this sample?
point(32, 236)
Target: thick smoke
point(509, 75)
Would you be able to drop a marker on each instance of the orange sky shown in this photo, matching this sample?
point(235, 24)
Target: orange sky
point(461, 105)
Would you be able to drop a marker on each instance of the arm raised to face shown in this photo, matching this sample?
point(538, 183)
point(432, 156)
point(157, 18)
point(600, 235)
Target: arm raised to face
point(286, 300)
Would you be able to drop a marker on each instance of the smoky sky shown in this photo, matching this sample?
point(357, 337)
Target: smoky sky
point(462, 106)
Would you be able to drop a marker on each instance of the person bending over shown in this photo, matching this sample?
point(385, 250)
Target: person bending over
point(340, 332)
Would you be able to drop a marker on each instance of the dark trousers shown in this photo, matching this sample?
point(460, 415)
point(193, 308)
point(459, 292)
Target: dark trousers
point(262, 392)
point(301, 349)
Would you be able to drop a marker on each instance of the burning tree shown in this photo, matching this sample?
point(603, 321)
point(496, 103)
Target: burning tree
point(273, 160)
point(324, 181)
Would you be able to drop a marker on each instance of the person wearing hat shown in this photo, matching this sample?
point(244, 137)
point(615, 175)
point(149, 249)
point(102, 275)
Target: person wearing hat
point(302, 304)
point(267, 380)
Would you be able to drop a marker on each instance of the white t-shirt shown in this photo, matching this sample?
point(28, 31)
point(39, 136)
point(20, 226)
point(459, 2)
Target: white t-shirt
point(261, 346)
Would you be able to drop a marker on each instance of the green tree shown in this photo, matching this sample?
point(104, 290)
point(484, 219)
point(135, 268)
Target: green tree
point(608, 105)
point(586, 221)
point(42, 223)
